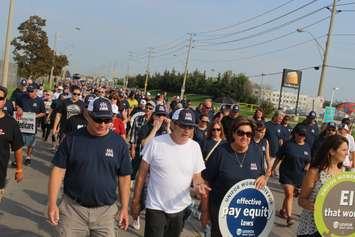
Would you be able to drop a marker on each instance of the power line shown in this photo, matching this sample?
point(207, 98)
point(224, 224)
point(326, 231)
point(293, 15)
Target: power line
point(266, 31)
point(263, 54)
point(340, 67)
point(262, 24)
point(248, 19)
point(265, 41)
point(170, 53)
point(280, 72)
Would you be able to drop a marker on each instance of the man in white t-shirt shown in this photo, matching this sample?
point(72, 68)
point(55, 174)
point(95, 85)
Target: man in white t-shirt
point(174, 161)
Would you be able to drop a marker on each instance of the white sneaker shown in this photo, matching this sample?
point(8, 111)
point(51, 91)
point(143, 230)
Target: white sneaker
point(136, 225)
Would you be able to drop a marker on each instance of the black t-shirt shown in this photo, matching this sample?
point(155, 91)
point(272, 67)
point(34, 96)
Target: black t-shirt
point(9, 108)
point(206, 146)
point(92, 165)
point(227, 123)
point(10, 135)
point(294, 159)
point(74, 123)
point(223, 169)
point(199, 135)
point(68, 108)
point(16, 95)
point(273, 135)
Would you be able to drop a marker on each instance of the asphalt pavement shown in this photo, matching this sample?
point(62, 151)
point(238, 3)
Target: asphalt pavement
point(23, 210)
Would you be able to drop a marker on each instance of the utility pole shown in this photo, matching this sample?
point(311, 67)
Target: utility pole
point(53, 61)
point(147, 71)
point(186, 64)
point(5, 66)
point(325, 56)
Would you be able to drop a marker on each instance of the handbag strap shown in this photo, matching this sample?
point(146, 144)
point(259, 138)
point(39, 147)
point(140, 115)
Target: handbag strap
point(214, 147)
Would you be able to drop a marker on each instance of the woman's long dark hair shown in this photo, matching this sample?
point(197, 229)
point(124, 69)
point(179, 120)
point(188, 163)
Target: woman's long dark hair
point(322, 158)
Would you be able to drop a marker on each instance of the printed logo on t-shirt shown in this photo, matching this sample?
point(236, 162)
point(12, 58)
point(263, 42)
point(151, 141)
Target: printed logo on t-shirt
point(72, 110)
point(253, 166)
point(103, 106)
point(278, 131)
point(306, 153)
point(35, 104)
point(263, 148)
point(109, 152)
point(312, 131)
point(2, 132)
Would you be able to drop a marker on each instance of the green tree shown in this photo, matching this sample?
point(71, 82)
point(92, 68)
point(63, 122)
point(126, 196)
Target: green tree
point(31, 51)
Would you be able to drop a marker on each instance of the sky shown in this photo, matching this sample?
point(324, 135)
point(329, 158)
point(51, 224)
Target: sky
point(253, 37)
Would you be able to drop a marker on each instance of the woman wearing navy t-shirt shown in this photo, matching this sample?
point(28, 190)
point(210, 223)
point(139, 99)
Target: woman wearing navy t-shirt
point(295, 156)
point(231, 162)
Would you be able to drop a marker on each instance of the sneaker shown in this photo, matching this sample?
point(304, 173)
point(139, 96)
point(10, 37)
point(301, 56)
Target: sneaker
point(14, 164)
point(27, 161)
point(136, 225)
point(290, 221)
point(282, 214)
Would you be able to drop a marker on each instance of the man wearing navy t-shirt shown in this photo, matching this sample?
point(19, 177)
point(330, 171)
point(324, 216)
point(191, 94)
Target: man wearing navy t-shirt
point(30, 103)
point(90, 161)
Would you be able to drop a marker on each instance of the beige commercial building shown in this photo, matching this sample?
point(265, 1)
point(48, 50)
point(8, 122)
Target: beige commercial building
point(288, 102)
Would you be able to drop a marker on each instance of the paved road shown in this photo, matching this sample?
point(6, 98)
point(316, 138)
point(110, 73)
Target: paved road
point(23, 211)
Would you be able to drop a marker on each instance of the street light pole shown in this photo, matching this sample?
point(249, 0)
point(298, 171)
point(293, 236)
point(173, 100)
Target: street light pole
point(319, 46)
point(186, 64)
point(147, 71)
point(332, 97)
point(325, 57)
point(53, 61)
point(5, 68)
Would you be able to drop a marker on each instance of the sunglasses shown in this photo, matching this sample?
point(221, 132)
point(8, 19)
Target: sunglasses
point(301, 134)
point(204, 121)
point(332, 130)
point(182, 126)
point(76, 94)
point(216, 129)
point(2, 98)
point(149, 108)
point(100, 120)
point(207, 107)
point(241, 133)
point(101, 92)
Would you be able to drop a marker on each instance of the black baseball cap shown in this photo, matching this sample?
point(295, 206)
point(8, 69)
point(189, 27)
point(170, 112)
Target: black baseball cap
point(100, 108)
point(184, 117)
point(331, 125)
point(31, 88)
point(312, 115)
point(300, 129)
point(235, 108)
point(160, 110)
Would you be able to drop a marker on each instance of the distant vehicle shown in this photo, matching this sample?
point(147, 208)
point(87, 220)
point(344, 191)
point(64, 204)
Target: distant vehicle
point(76, 76)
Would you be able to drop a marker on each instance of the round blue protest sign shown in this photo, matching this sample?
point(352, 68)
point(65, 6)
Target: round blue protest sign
point(246, 211)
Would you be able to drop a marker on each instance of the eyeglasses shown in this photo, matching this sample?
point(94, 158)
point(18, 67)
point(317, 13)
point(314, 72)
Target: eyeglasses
point(76, 94)
point(332, 130)
point(204, 121)
point(100, 120)
point(241, 133)
point(216, 129)
point(182, 126)
point(47, 94)
point(101, 92)
point(149, 108)
point(2, 98)
point(260, 131)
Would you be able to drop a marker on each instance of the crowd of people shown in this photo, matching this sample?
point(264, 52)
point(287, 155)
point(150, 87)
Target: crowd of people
point(104, 138)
